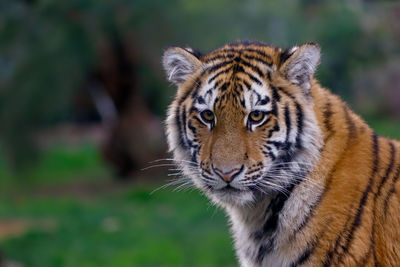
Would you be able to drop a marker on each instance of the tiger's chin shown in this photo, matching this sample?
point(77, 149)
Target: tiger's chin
point(230, 196)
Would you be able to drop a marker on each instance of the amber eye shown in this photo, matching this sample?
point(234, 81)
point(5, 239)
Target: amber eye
point(256, 116)
point(208, 116)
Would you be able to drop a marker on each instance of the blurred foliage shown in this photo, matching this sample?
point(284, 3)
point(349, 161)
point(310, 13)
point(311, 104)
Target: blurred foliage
point(132, 229)
point(50, 48)
point(58, 165)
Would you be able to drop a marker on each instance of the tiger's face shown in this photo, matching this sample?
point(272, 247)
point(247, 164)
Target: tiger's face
point(242, 125)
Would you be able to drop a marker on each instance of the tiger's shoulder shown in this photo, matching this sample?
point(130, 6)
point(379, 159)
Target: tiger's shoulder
point(358, 212)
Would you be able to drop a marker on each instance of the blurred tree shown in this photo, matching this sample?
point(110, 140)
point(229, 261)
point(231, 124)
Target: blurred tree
point(53, 53)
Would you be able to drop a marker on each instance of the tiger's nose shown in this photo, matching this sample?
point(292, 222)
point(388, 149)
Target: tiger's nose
point(228, 175)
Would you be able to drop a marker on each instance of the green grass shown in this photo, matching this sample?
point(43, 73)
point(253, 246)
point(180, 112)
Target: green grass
point(131, 229)
point(128, 227)
point(58, 164)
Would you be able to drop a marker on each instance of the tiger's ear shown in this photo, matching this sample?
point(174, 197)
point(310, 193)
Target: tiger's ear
point(179, 63)
point(298, 64)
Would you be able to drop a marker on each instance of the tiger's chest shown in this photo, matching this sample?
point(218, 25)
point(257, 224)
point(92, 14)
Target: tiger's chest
point(271, 236)
point(259, 252)
point(269, 250)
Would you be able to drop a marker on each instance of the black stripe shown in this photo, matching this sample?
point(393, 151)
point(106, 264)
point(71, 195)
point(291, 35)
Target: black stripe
point(184, 97)
point(286, 54)
point(254, 68)
point(184, 124)
point(259, 52)
point(360, 210)
point(313, 208)
point(201, 100)
point(305, 255)
point(224, 71)
point(243, 103)
point(300, 124)
point(192, 128)
point(224, 86)
point(239, 89)
point(181, 142)
point(364, 199)
point(217, 66)
point(349, 121)
point(365, 258)
point(388, 170)
point(224, 56)
point(196, 88)
point(276, 128)
point(217, 83)
point(271, 224)
point(275, 207)
point(261, 101)
point(237, 68)
point(274, 110)
point(392, 189)
point(230, 50)
point(258, 96)
point(246, 84)
point(253, 78)
point(263, 250)
point(269, 76)
point(339, 240)
point(288, 124)
point(259, 60)
point(286, 92)
point(269, 152)
point(193, 110)
point(275, 95)
point(278, 144)
point(327, 114)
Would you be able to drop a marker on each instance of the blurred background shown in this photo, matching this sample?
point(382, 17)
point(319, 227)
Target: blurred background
point(83, 97)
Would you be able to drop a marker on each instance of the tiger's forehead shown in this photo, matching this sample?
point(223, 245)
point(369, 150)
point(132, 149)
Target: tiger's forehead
point(236, 75)
point(249, 51)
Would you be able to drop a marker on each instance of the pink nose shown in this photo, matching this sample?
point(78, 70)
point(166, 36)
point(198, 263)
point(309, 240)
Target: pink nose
point(228, 175)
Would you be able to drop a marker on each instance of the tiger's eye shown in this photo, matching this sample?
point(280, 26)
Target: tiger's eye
point(207, 116)
point(256, 116)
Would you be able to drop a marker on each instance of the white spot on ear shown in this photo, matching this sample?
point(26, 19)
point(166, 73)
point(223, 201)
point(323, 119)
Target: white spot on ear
point(293, 49)
point(189, 49)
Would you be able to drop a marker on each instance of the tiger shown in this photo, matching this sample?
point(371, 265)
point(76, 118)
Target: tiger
point(303, 179)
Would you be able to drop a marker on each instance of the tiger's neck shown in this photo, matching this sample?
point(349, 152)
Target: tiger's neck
point(263, 233)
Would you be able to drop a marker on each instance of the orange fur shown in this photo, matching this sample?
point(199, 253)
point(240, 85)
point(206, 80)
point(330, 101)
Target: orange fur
point(352, 215)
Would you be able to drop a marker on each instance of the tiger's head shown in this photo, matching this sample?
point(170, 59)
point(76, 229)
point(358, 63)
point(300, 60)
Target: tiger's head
point(242, 124)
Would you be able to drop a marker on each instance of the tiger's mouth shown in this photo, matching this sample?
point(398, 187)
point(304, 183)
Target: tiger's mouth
point(249, 185)
point(230, 195)
point(223, 187)
point(237, 191)
point(229, 189)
